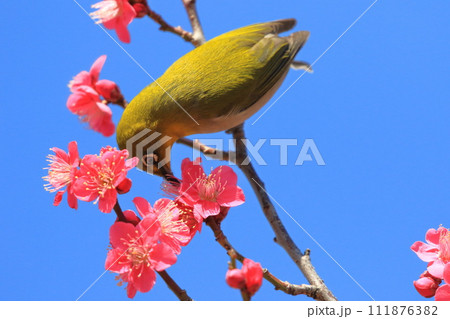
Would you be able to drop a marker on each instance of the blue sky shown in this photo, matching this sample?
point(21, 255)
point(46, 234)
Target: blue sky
point(377, 107)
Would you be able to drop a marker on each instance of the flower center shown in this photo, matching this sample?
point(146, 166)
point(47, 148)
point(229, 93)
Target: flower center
point(209, 188)
point(59, 174)
point(138, 256)
point(186, 216)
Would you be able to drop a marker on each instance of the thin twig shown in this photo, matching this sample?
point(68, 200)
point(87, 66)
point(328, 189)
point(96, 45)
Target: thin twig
point(209, 151)
point(291, 289)
point(164, 26)
point(303, 261)
point(197, 31)
point(180, 293)
point(118, 210)
point(283, 238)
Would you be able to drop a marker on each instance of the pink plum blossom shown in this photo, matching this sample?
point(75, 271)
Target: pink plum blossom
point(436, 251)
point(106, 88)
point(208, 193)
point(115, 14)
point(174, 232)
point(100, 175)
point(62, 172)
point(137, 253)
point(85, 99)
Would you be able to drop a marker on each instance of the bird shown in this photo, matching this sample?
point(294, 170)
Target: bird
point(212, 88)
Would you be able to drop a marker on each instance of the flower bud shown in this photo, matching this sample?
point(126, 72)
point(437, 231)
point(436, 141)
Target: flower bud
point(235, 278)
point(426, 286)
point(124, 186)
point(109, 90)
point(141, 10)
point(131, 217)
point(253, 274)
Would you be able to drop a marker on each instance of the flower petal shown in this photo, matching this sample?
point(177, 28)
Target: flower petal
point(116, 261)
point(58, 198)
point(96, 68)
point(143, 206)
point(131, 290)
point(225, 175)
point(107, 201)
point(442, 293)
point(73, 153)
point(231, 197)
point(432, 236)
point(446, 274)
point(162, 257)
point(436, 269)
point(424, 251)
point(206, 208)
point(143, 279)
point(120, 234)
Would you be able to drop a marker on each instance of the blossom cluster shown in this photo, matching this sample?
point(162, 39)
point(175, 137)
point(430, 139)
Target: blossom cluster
point(93, 178)
point(436, 251)
point(148, 241)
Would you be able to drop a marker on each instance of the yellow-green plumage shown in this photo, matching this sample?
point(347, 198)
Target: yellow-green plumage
point(219, 84)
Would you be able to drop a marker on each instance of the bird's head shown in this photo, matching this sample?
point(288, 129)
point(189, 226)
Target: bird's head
point(153, 148)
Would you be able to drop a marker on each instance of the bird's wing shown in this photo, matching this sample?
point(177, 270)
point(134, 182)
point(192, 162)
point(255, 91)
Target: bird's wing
point(232, 71)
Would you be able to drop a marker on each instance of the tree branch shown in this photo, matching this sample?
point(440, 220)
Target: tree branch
point(180, 293)
point(303, 261)
point(283, 238)
point(214, 153)
point(291, 289)
point(118, 210)
point(197, 31)
point(164, 26)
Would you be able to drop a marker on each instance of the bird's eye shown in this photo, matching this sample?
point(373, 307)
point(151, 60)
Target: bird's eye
point(150, 159)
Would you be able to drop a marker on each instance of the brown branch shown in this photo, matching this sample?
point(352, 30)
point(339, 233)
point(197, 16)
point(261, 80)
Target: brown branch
point(303, 261)
point(283, 238)
point(180, 293)
point(164, 26)
point(118, 210)
point(291, 289)
point(197, 31)
point(209, 151)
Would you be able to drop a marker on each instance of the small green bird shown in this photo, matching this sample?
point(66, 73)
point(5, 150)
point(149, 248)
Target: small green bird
point(215, 87)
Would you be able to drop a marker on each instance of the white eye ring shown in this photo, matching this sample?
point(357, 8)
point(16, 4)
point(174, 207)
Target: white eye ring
point(150, 159)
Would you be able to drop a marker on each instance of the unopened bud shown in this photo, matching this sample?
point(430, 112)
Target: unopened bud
point(235, 278)
point(141, 10)
point(124, 186)
point(426, 286)
point(109, 90)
